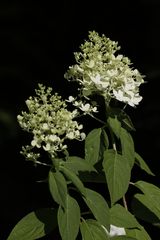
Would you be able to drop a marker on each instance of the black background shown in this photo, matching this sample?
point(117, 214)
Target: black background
point(37, 44)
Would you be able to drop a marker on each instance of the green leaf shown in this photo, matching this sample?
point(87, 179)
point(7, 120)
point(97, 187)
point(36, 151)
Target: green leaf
point(98, 206)
point(92, 146)
point(123, 238)
point(115, 125)
point(35, 225)
point(58, 187)
point(77, 164)
point(150, 198)
point(145, 213)
point(149, 189)
point(120, 217)
point(74, 179)
point(117, 173)
point(126, 121)
point(142, 164)
point(104, 144)
point(127, 144)
point(150, 203)
point(138, 234)
point(69, 219)
point(92, 230)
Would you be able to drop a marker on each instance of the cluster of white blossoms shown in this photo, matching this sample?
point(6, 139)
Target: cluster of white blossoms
point(99, 70)
point(86, 108)
point(50, 122)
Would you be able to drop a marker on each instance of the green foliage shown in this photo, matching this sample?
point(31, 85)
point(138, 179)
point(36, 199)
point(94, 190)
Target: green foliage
point(127, 143)
point(117, 173)
point(74, 179)
point(92, 230)
point(138, 234)
point(77, 164)
point(150, 197)
point(123, 238)
point(69, 219)
point(142, 164)
point(120, 217)
point(92, 146)
point(98, 207)
point(58, 187)
point(92, 192)
point(35, 225)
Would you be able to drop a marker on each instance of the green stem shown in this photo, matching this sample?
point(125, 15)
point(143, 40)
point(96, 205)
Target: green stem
point(99, 120)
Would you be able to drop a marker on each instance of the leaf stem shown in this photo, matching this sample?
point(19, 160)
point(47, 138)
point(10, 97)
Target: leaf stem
point(125, 202)
point(44, 164)
point(99, 120)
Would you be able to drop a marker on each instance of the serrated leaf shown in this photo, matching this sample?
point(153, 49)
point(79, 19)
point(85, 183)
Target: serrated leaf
point(117, 173)
point(77, 164)
point(58, 187)
point(138, 234)
point(115, 125)
point(142, 164)
point(73, 178)
point(120, 217)
point(69, 219)
point(92, 230)
point(92, 146)
point(127, 144)
point(143, 212)
point(35, 225)
point(98, 206)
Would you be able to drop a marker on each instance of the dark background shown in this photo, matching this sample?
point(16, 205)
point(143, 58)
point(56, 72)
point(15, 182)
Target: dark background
point(37, 45)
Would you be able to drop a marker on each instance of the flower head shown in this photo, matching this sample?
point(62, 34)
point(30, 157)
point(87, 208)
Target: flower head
point(50, 122)
point(99, 70)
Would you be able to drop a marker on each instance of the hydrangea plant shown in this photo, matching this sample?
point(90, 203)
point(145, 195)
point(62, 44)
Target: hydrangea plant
point(107, 83)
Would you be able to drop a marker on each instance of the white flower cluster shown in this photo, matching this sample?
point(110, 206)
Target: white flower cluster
point(50, 121)
point(86, 108)
point(99, 70)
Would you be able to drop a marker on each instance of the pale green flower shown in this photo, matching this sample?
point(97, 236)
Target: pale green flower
point(50, 122)
point(100, 70)
point(86, 108)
